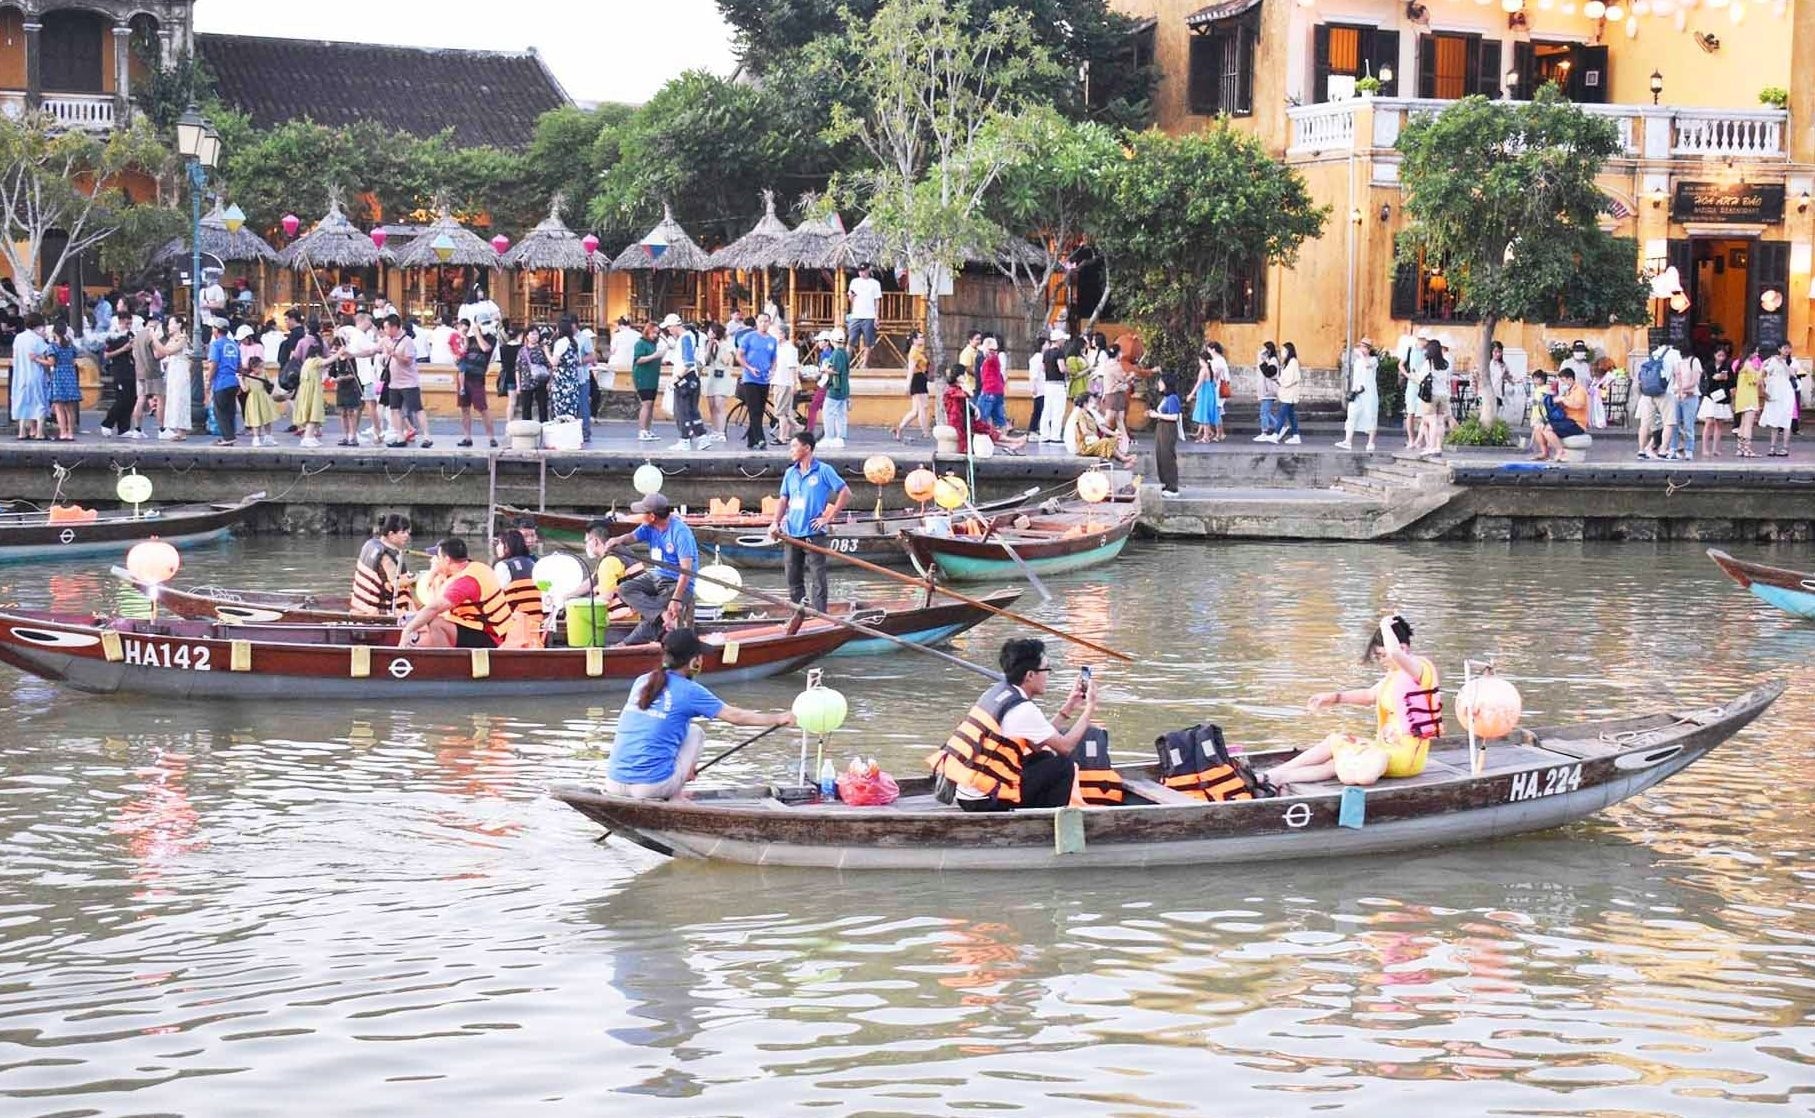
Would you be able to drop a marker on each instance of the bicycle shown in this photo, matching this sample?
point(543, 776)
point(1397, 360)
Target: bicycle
point(738, 416)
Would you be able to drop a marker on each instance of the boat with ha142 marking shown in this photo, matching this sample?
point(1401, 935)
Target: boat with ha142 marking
point(1790, 591)
point(1537, 779)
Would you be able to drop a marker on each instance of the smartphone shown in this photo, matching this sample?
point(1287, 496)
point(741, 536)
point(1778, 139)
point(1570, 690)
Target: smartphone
point(1084, 677)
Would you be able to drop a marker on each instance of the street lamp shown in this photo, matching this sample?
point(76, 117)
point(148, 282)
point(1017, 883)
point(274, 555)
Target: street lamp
point(200, 146)
point(1657, 85)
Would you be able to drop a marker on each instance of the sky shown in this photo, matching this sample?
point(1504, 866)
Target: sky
point(601, 50)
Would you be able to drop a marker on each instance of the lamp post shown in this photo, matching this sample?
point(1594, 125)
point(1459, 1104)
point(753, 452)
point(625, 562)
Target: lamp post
point(200, 147)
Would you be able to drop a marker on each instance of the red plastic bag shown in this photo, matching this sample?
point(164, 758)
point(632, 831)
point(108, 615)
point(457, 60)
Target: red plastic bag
point(867, 790)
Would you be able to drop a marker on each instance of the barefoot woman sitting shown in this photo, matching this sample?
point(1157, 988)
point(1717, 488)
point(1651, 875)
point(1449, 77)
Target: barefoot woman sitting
point(1408, 711)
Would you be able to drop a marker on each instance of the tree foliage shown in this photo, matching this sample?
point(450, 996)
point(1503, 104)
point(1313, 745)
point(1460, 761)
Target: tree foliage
point(1502, 196)
point(71, 182)
point(1184, 215)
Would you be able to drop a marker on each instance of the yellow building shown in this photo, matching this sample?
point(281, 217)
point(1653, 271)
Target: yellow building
point(1711, 181)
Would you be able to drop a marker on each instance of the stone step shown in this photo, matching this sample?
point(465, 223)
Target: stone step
point(1366, 487)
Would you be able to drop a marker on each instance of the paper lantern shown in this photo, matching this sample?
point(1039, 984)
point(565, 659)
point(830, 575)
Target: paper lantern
point(134, 489)
point(950, 492)
point(1489, 707)
point(1093, 486)
point(590, 243)
point(559, 574)
point(290, 224)
point(647, 479)
point(444, 247)
point(500, 244)
point(819, 710)
point(879, 469)
point(379, 237)
point(713, 594)
point(919, 485)
point(153, 561)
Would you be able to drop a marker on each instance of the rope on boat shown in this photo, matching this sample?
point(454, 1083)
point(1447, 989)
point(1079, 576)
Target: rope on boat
point(761, 471)
point(1671, 485)
point(559, 476)
point(61, 473)
point(442, 470)
point(1702, 717)
point(398, 479)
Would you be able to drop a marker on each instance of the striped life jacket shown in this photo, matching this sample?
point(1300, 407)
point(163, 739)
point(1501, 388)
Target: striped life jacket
point(979, 756)
point(490, 614)
point(1414, 705)
point(1098, 782)
point(374, 591)
point(1196, 763)
point(520, 591)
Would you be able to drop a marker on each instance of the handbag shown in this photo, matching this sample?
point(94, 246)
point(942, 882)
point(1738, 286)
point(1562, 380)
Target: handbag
point(1224, 390)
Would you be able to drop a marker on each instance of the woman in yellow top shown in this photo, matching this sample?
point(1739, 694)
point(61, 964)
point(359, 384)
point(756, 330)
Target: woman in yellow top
point(1408, 713)
point(916, 388)
point(1747, 399)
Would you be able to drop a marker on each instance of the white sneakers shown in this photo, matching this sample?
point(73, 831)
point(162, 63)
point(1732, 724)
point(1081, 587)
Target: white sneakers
point(832, 444)
point(1293, 441)
point(685, 444)
point(133, 434)
point(108, 432)
point(309, 441)
point(1345, 445)
point(1273, 438)
point(646, 436)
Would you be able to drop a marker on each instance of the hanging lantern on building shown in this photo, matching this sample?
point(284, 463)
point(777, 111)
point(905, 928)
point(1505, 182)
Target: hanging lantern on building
point(290, 223)
point(590, 243)
point(379, 237)
point(233, 218)
point(444, 247)
point(500, 244)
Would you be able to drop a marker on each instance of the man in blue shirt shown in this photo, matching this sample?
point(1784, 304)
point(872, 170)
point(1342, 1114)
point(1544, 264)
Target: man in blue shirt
point(756, 353)
point(659, 595)
point(812, 496)
point(223, 381)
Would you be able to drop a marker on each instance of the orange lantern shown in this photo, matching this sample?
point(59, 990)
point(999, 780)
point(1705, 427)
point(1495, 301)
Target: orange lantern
point(1093, 486)
point(1489, 707)
point(919, 485)
point(153, 561)
point(879, 469)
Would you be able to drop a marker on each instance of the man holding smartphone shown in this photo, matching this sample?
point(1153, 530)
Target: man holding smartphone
point(1005, 755)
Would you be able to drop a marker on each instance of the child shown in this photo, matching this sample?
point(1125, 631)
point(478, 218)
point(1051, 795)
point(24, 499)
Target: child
point(349, 392)
point(260, 412)
point(1171, 420)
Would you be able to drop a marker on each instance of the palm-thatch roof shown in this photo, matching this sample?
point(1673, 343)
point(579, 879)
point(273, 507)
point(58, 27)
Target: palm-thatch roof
point(470, 249)
point(553, 247)
point(861, 245)
point(810, 245)
point(333, 243)
point(1015, 249)
point(681, 255)
point(217, 242)
point(757, 248)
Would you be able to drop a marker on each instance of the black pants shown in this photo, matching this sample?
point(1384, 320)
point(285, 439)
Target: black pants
point(1165, 453)
point(648, 594)
point(125, 398)
point(1046, 781)
point(1033, 424)
point(687, 408)
point(798, 562)
point(754, 397)
point(226, 411)
point(536, 397)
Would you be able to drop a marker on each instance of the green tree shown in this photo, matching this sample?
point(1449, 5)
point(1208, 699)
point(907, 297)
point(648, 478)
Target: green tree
point(70, 182)
point(1185, 214)
point(570, 152)
point(1502, 195)
point(942, 91)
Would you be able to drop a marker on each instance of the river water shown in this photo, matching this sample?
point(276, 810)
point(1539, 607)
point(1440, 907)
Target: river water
point(304, 908)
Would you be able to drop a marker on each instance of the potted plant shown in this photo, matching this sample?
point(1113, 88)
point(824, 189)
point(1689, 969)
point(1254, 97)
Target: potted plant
point(1370, 85)
point(1776, 96)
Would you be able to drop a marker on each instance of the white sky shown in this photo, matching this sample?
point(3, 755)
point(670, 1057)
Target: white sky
point(601, 50)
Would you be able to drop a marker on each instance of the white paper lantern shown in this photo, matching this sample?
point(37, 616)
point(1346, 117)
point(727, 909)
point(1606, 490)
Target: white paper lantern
point(647, 479)
point(559, 574)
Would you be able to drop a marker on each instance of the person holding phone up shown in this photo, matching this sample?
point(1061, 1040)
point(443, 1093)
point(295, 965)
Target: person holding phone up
point(1005, 755)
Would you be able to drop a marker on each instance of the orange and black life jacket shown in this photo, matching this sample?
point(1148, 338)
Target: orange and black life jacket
point(520, 591)
point(374, 590)
point(1098, 782)
point(489, 614)
point(979, 755)
point(1196, 762)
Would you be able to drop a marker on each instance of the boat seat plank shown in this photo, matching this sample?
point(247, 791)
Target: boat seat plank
point(1156, 792)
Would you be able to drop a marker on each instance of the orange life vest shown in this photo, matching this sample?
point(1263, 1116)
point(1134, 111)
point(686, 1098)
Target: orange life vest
point(1195, 763)
point(1098, 782)
point(374, 589)
point(520, 591)
point(489, 614)
point(979, 755)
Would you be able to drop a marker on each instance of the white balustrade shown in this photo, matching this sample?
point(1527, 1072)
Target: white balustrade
point(1326, 127)
point(80, 110)
point(1740, 133)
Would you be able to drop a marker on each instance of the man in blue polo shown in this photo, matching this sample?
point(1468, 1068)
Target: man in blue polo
point(812, 496)
point(756, 353)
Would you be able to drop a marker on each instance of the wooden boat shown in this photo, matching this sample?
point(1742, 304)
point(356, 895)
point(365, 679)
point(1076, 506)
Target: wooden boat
point(1546, 778)
point(907, 618)
point(1790, 591)
point(1048, 542)
point(213, 660)
point(59, 533)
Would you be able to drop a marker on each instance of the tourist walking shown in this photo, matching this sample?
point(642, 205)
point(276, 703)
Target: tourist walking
point(1055, 379)
point(116, 358)
point(342, 372)
point(756, 357)
point(1115, 393)
point(1291, 384)
point(1717, 399)
point(534, 373)
point(646, 377)
point(510, 343)
point(1205, 398)
point(564, 395)
point(837, 384)
point(1657, 401)
point(29, 392)
point(65, 385)
point(684, 349)
point(1686, 398)
point(221, 373)
point(1363, 396)
point(782, 380)
point(178, 411)
point(1266, 364)
point(865, 295)
point(916, 388)
point(475, 360)
point(992, 385)
point(812, 498)
point(1169, 419)
point(1777, 413)
point(149, 375)
point(405, 393)
point(1600, 387)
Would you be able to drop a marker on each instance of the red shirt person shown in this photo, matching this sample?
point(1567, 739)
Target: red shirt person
point(469, 609)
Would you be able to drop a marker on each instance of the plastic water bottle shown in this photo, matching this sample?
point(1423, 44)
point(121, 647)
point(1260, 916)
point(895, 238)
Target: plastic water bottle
point(828, 781)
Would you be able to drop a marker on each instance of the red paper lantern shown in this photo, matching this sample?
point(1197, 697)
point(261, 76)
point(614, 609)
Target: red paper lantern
point(500, 243)
point(379, 236)
point(590, 243)
point(291, 224)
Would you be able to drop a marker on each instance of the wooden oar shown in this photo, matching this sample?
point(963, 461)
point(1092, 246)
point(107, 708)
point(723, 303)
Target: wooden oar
point(783, 603)
point(990, 530)
point(748, 741)
point(950, 593)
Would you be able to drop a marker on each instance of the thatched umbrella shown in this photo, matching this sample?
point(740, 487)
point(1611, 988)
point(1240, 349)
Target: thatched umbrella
point(244, 245)
point(680, 255)
point(860, 246)
point(755, 251)
point(552, 247)
point(334, 242)
point(469, 250)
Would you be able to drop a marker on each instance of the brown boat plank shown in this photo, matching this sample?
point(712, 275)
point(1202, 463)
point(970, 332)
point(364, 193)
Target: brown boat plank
point(1158, 793)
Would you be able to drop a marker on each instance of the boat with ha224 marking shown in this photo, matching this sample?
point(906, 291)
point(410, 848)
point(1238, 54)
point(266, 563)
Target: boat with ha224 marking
point(1538, 779)
point(1790, 591)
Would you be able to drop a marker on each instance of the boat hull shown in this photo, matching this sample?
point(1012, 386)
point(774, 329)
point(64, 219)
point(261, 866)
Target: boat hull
point(1563, 776)
point(1787, 590)
point(961, 558)
point(179, 526)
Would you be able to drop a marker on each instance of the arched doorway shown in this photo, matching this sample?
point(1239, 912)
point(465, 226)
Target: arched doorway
point(73, 57)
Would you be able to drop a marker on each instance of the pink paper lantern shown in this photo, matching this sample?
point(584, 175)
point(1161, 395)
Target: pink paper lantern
point(500, 243)
point(291, 224)
point(590, 243)
point(379, 236)
point(153, 561)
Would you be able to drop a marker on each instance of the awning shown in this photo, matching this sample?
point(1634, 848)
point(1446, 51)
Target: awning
point(1142, 26)
point(1215, 12)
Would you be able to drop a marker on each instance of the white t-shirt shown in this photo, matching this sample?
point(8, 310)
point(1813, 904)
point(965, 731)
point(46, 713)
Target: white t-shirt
point(482, 312)
point(271, 340)
point(866, 295)
point(361, 346)
point(441, 344)
point(623, 348)
point(786, 373)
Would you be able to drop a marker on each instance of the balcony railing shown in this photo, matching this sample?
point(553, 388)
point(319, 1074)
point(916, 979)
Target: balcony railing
point(1646, 131)
point(90, 111)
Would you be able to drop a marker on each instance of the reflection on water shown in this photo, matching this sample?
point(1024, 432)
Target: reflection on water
point(303, 907)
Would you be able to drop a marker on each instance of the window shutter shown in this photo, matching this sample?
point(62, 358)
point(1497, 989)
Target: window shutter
point(1487, 69)
point(1527, 69)
point(1427, 66)
point(1244, 62)
point(1320, 63)
point(1588, 77)
point(1405, 291)
point(1201, 81)
point(1385, 53)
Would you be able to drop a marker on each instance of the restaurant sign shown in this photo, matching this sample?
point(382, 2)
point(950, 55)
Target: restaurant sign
point(1737, 203)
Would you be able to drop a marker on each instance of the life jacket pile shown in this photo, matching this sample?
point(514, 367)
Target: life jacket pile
point(978, 755)
point(373, 590)
point(1197, 763)
point(1098, 782)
